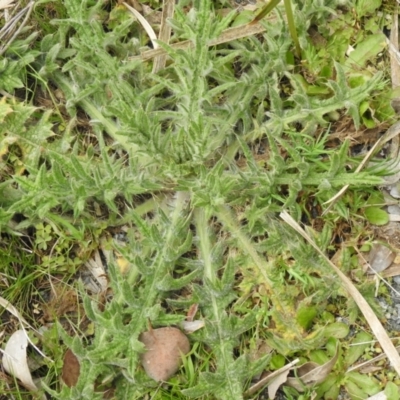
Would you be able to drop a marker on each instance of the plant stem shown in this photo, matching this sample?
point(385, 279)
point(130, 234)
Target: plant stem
point(292, 26)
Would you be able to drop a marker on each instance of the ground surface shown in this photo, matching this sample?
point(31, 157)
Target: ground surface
point(143, 189)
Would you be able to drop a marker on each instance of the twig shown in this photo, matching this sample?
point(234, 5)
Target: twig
point(227, 35)
point(371, 361)
point(165, 33)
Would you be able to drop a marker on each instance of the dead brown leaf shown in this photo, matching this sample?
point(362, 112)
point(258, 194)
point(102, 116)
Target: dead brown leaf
point(165, 347)
point(274, 386)
point(71, 369)
point(278, 375)
point(389, 233)
point(393, 270)
point(380, 257)
point(311, 373)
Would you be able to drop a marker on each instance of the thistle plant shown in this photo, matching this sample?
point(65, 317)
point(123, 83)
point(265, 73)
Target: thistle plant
point(171, 158)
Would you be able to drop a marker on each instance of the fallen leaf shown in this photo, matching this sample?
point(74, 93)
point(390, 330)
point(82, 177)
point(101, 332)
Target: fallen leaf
point(269, 378)
point(192, 326)
point(276, 384)
point(165, 347)
point(14, 359)
point(71, 369)
point(393, 270)
point(380, 257)
point(311, 373)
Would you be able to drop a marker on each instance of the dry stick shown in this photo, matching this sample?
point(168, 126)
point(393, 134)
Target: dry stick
point(394, 50)
point(369, 315)
point(371, 361)
point(227, 35)
point(391, 133)
point(165, 33)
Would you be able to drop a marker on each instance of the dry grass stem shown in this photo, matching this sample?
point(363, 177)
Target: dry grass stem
point(165, 33)
point(238, 32)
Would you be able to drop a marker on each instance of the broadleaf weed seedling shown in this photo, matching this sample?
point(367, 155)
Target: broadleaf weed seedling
point(170, 158)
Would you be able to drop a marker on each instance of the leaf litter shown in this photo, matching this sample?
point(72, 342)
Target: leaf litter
point(15, 359)
point(164, 350)
point(311, 373)
point(71, 369)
